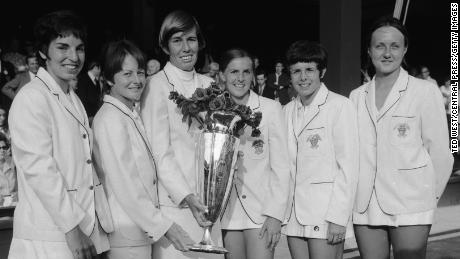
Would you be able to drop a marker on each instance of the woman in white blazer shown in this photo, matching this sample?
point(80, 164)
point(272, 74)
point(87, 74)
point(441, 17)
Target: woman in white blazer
point(252, 220)
point(405, 160)
point(172, 140)
point(62, 205)
point(323, 155)
point(124, 159)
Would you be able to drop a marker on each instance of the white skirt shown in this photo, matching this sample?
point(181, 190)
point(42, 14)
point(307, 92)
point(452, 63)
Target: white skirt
point(375, 216)
point(235, 217)
point(163, 249)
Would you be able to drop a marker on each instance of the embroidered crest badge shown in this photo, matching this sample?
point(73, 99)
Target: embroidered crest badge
point(314, 140)
point(403, 129)
point(258, 146)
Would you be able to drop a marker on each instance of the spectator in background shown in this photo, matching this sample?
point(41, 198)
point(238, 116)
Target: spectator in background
point(261, 82)
point(4, 122)
point(425, 73)
point(414, 71)
point(89, 89)
point(213, 71)
point(11, 88)
point(6, 74)
point(153, 66)
point(8, 180)
point(278, 85)
point(256, 62)
point(14, 56)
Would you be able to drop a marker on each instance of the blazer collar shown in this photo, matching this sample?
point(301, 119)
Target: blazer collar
point(318, 101)
point(56, 90)
point(133, 115)
point(393, 97)
point(253, 101)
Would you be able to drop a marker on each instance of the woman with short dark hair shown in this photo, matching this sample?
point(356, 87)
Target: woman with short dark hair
point(323, 154)
point(62, 210)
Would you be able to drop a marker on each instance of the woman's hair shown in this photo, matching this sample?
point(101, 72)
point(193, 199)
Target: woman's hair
point(306, 51)
point(231, 54)
point(57, 24)
point(114, 56)
point(386, 21)
point(179, 21)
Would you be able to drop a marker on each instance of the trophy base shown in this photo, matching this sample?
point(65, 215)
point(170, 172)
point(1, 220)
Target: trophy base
point(207, 249)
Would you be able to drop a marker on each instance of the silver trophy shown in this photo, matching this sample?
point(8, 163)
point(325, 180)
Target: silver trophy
point(216, 155)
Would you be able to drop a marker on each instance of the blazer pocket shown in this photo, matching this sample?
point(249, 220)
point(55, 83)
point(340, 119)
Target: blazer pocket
point(73, 193)
point(314, 142)
point(404, 130)
point(415, 182)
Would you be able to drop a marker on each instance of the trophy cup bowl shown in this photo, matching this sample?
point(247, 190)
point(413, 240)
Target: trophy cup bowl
point(216, 155)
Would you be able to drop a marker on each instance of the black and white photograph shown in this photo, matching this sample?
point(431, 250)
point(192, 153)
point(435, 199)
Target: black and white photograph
point(297, 129)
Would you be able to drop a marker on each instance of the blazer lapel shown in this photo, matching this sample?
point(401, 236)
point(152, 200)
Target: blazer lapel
point(318, 101)
point(56, 90)
point(395, 94)
point(369, 100)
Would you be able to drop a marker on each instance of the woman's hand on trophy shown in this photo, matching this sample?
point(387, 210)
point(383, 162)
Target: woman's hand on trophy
point(178, 237)
point(271, 230)
point(335, 233)
point(198, 210)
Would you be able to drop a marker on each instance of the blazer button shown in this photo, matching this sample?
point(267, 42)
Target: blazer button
point(91, 187)
point(154, 181)
point(156, 206)
point(84, 135)
point(244, 196)
point(89, 161)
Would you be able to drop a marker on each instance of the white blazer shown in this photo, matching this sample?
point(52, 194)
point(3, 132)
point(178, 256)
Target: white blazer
point(125, 161)
point(324, 159)
point(51, 144)
point(173, 143)
point(404, 151)
point(262, 180)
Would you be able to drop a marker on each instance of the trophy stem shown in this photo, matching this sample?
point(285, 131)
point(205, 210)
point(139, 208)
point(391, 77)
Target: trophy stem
point(206, 245)
point(206, 240)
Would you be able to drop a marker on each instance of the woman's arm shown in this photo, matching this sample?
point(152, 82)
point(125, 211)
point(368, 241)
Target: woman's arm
point(435, 136)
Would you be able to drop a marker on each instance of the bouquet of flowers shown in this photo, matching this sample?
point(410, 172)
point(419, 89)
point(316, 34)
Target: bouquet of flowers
point(215, 110)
